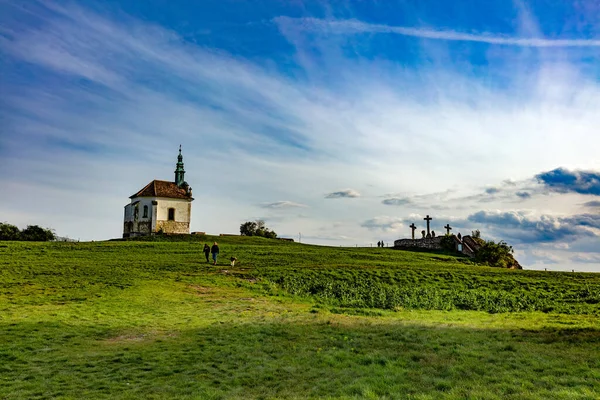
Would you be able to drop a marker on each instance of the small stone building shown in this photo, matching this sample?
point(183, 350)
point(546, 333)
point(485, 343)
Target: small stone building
point(160, 207)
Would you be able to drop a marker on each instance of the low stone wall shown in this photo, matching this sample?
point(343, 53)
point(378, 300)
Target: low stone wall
point(173, 227)
point(427, 243)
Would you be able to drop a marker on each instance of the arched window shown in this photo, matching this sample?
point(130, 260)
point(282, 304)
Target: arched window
point(136, 212)
point(171, 214)
point(145, 212)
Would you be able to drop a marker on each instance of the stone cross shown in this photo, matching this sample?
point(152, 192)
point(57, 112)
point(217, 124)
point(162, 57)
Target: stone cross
point(448, 228)
point(428, 218)
point(413, 227)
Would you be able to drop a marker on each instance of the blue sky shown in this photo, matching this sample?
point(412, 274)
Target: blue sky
point(345, 121)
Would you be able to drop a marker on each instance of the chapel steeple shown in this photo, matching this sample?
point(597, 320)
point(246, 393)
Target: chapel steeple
point(179, 171)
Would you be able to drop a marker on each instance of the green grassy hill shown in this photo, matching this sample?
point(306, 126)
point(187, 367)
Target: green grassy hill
point(151, 319)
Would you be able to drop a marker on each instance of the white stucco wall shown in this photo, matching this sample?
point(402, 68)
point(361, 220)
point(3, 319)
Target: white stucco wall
point(143, 201)
point(182, 209)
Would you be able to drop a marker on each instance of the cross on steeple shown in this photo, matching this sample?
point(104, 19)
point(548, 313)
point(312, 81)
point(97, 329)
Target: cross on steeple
point(448, 228)
point(428, 218)
point(413, 227)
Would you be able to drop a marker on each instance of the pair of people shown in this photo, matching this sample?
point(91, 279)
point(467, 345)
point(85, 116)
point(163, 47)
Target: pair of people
point(214, 250)
point(380, 244)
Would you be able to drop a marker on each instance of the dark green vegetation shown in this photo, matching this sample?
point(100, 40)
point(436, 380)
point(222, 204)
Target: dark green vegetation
point(257, 228)
point(33, 233)
point(496, 255)
point(149, 319)
point(490, 253)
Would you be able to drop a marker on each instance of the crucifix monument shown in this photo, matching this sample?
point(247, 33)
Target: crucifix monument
point(448, 229)
point(413, 227)
point(428, 218)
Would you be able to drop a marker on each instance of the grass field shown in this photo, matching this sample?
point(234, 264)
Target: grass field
point(150, 319)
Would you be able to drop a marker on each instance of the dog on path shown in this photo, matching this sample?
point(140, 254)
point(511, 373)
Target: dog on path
point(233, 260)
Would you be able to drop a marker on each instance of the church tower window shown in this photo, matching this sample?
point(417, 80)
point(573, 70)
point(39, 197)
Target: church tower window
point(145, 212)
point(171, 214)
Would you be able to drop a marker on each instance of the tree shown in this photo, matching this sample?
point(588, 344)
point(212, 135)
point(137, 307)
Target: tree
point(476, 236)
point(497, 255)
point(9, 232)
point(257, 228)
point(35, 233)
point(248, 228)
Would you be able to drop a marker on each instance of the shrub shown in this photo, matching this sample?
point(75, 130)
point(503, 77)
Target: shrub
point(35, 233)
point(447, 243)
point(496, 255)
point(9, 232)
point(248, 228)
point(257, 228)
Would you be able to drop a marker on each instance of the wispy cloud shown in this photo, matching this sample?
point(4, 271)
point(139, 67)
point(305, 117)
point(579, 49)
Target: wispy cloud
point(346, 193)
point(353, 26)
point(396, 201)
point(383, 223)
point(587, 258)
point(283, 205)
point(592, 204)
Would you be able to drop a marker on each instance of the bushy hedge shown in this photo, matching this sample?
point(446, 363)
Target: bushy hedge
point(33, 233)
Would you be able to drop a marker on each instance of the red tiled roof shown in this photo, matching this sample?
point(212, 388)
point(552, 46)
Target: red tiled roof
point(158, 188)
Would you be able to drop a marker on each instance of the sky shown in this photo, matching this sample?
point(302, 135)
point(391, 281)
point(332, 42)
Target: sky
point(339, 122)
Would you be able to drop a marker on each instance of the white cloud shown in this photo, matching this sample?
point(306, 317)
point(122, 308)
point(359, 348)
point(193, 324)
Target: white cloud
point(346, 193)
point(282, 205)
point(383, 223)
point(352, 26)
point(396, 201)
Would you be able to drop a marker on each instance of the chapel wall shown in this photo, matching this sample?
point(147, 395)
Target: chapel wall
point(182, 210)
point(173, 227)
point(128, 213)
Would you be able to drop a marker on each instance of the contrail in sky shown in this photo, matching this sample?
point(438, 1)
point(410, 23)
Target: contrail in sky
point(353, 26)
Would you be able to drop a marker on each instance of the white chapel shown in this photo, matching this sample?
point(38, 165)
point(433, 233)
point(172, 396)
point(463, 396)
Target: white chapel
point(160, 207)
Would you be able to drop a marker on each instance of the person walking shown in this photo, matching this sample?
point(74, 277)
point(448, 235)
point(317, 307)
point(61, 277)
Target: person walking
point(206, 251)
point(215, 252)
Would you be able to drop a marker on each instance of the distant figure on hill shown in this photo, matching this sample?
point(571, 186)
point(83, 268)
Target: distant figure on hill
point(206, 251)
point(378, 244)
point(215, 252)
point(432, 234)
point(382, 244)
